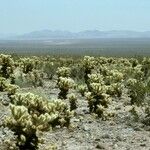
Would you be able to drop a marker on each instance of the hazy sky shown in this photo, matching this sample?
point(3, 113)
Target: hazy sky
point(20, 16)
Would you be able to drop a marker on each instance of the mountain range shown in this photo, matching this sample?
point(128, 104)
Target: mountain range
point(87, 34)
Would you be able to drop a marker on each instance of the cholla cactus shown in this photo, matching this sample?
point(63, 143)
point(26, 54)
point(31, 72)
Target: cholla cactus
point(134, 62)
point(11, 89)
point(103, 113)
point(7, 87)
point(2, 84)
point(97, 97)
point(37, 105)
point(73, 101)
point(125, 62)
point(115, 89)
point(114, 76)
point(131, 82)
point(146, 66)
point(31, 114)
point(102, 60)
point(98, 88)
point(63, 72)
point(88, 64)
point(25, 126)
point(64, 85)
point(96, 78)
point(136, 72)
point(28, 64)
point(82, 89)
point(6, 66)
point(20, 122)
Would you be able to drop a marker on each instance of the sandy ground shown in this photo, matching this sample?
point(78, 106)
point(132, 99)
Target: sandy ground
point(88, 132)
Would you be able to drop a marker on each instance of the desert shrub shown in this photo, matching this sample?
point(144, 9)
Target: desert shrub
point(137, 91)
point(77, 72)
point(50, 69)
point(35, 77)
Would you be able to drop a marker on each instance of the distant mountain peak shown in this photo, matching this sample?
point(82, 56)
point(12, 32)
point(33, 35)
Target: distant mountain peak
point(87, 34)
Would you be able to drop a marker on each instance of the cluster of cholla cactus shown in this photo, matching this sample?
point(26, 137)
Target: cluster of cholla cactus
point(6, 66)
point(30, 71)
point(31, 114)
point(98, 99)
point(133, 72)
point(114, 80)
point(28, 64)
point(103, 82)
point(64, 81)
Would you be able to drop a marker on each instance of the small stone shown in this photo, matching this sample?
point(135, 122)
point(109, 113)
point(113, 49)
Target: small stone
point(137, 129)
point(63, 143)
point(100, 146)
point(112, 123)
point(86, 128)
point(118, 138)
point(105, 136)
point(115, 146)
point(89, 121)
point(142, 144)
point(97, 139)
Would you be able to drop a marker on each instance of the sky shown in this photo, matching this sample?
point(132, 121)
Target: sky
point(22, 16)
